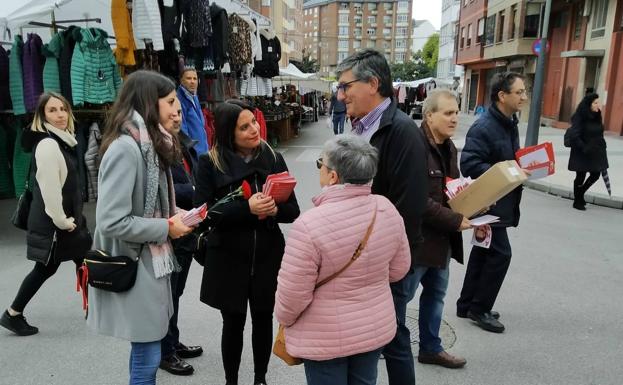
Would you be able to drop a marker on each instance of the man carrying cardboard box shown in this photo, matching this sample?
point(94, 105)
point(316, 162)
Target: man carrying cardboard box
point(441, 227)
point(494, 137)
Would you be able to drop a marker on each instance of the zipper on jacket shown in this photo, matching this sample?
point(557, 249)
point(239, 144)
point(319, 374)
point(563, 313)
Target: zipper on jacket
point(254, 236)
point(51, 249)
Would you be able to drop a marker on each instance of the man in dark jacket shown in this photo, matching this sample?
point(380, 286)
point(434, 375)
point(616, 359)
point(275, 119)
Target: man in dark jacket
point(337, 110)
point(173, 351)
point(441, 227)
point(491, 139)
point(365, 86)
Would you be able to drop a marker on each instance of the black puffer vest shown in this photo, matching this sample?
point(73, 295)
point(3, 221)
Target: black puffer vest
point(41, 229)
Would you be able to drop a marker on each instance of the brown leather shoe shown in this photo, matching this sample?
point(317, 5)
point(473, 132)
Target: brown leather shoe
point(442, 359)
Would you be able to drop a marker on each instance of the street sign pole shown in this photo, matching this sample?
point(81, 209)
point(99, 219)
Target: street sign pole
point(534, 120)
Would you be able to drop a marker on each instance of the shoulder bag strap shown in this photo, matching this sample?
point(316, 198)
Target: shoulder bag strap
point(356, 254)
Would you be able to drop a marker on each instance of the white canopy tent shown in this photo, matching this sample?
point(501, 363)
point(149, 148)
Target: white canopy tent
point(303, 81)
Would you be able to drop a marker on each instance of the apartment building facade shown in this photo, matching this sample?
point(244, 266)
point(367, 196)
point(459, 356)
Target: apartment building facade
point(333, 30)
point(287, 19)
point(446, 67)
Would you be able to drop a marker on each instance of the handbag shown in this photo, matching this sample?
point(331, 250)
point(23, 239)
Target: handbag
point(19, 218)
point(100, 270)
point(279, 347)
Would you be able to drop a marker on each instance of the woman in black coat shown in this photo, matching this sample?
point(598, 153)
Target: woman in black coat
point(243, 252)
point(588, 147)
point(57, 230)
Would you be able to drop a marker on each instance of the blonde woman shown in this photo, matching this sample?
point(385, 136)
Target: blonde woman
point(57, 231)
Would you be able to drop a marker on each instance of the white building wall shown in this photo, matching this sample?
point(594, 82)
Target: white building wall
point(446, 69)
point(421, 34)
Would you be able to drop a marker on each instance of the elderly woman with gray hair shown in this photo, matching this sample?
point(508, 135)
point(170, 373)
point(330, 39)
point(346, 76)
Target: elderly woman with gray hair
point(356, 240)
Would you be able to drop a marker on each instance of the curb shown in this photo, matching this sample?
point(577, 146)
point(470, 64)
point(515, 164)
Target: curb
point(565, 192)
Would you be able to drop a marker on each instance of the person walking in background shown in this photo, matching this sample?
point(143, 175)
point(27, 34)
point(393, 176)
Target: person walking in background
point(245, 245)
point(441, 227)
point(193, 124)
point(337, 110)
point(137, 218)
point(588, 147)
point(493, 138)
point(342, 347)
point(173, 351)
point(57, 230)
point(365, 86)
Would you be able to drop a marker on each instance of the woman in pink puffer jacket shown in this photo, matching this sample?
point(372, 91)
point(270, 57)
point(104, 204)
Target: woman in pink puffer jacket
point(340, 328)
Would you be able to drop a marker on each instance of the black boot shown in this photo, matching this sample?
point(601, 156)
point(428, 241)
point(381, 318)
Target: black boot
point(17, 324)
point(578, 198)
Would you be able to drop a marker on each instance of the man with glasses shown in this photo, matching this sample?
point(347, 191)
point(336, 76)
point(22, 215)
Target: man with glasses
point(493, 138)
point(365, 86)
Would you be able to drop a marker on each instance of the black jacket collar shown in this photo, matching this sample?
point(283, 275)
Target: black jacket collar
point(503, 119)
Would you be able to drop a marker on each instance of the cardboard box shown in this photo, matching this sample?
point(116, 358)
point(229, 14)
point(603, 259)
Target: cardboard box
point(494, 184)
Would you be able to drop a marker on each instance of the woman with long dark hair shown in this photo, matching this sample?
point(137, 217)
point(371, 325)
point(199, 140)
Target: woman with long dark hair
point(588, 147)
point(57, 231)
point(136, 217)
point(244, 250)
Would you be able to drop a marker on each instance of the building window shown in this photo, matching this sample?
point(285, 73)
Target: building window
point(387, 20)
point(357, 19)
point(371, 31)
point(599, 16)
point(356, 44)
point(387, 32)
point(500, 34)
point(387, 45)
point(402, 19)
point(342, 44)
point(371, 19)
point(403, 6)
point(513, 22)
point(344, 6)
point(532, 20)
point(469, 35)
point(481, 31)
point(489, 30)
point(400, 57)
point(344, 19)
point(401, 31)
point(371, 6)
point(357, 32)
point(387, 6)
point(265, 3)
point(401, 43)
point(462, 37)
point(341, 56)
point(343, 31)
point(370, 44)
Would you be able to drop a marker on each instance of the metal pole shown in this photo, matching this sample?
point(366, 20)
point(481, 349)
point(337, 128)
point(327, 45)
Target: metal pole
point(534, 120)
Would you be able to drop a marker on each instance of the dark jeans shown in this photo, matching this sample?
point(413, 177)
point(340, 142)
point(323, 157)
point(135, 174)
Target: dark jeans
point(231, 343)
point(485, 274)
point(338, 122)
point(144, 361)
point(585, 183)
point(434, 285)
point(358, 369)
point(33, 282)
point(178, 283)
point(398, 355)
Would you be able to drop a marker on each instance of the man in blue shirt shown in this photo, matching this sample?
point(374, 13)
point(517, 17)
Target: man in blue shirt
point(193, 124)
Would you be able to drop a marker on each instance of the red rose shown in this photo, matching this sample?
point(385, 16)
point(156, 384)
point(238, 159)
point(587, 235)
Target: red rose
point(246, 190)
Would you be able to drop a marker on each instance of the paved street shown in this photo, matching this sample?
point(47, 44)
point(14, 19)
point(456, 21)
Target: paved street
point(561, 304)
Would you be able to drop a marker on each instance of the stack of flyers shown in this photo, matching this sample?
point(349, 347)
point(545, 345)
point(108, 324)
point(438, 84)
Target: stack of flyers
point(195, 216)
point(279, 186)
point(539, 160)
point(455, 186)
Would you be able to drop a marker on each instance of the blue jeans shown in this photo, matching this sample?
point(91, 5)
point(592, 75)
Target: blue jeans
point(144, 362)
point(398, 355)
point(358, 369)
point(338, 123)
point(434, 285)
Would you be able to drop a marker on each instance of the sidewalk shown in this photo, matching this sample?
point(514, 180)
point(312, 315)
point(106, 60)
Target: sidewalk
point(561, 182)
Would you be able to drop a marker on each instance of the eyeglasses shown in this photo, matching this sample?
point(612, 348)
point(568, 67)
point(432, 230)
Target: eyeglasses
point(345, 86)
point(319, 164)
point(519, 93)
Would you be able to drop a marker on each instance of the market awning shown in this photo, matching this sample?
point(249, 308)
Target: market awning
point(584, 53)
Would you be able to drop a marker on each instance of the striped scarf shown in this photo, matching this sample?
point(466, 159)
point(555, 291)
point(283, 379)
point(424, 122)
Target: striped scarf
point(159, 193)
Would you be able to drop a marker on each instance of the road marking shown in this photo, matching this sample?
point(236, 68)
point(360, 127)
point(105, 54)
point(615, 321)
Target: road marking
point(308, 156)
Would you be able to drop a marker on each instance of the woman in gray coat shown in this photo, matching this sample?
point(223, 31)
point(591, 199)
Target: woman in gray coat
point(135, 218)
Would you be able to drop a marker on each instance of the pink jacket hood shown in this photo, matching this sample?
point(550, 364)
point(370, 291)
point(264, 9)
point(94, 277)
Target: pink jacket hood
point(353, 313)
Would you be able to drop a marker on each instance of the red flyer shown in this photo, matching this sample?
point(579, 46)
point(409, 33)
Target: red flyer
point(539, 160)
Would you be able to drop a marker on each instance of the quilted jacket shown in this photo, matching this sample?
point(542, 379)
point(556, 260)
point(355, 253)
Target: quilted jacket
point(5, 95)
point(51, 71)
point(94, 73)
point(16, 86)
point(353, 313)
point(146, 23)
point(32, 65)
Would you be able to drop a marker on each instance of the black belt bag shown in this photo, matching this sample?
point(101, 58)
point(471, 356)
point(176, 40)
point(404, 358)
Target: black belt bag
point(115, 274)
